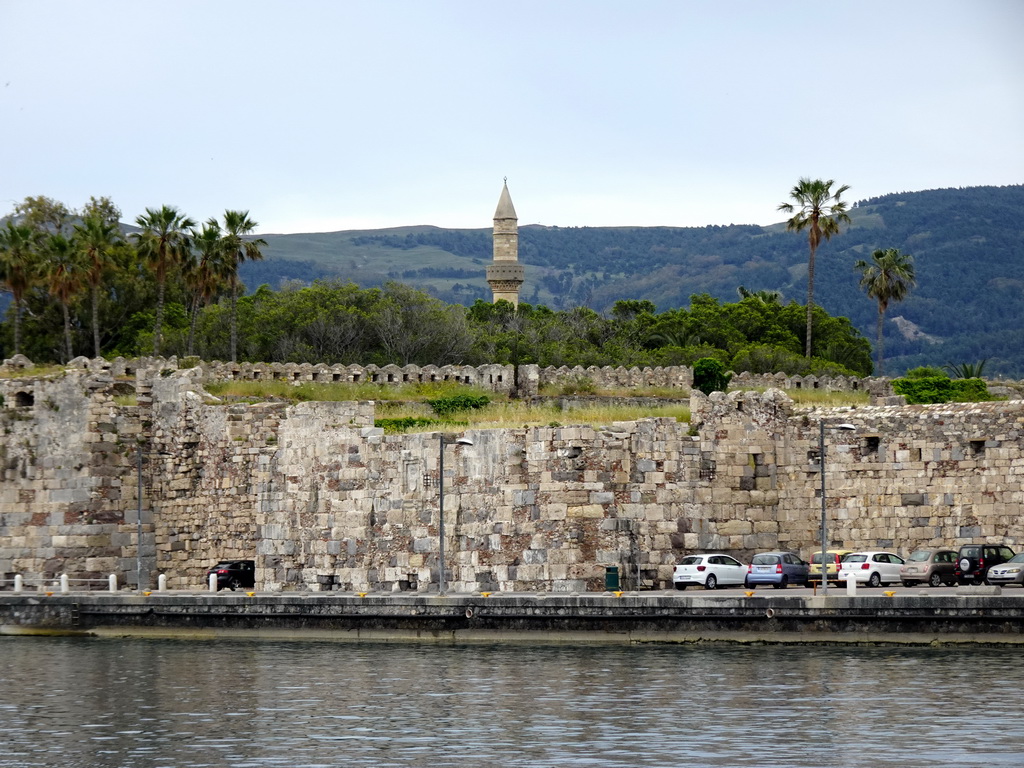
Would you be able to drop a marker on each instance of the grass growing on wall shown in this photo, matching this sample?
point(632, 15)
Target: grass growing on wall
point(340, 392)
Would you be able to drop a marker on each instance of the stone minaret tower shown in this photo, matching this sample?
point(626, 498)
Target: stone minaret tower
point(505, 275)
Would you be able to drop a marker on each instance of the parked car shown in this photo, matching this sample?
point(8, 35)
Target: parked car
point(973, 561)
point(710, 571)
point(1010, 572)
point(234, 574)
point(874, 568)
point(929, 566)
point(832, 559)
point(780, 569)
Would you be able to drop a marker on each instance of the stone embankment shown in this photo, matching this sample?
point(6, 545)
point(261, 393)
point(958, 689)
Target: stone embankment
point(985, 618)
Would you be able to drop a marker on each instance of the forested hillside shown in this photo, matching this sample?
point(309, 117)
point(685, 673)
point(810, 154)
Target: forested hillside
point(967, 244)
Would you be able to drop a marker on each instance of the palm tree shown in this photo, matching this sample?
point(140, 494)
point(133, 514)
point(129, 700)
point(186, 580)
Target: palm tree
point(820, 212)
point(19, 268)
point(207, 274)
point(237, 226)
point(888, 277)
point(98, 239)
point(65, 276)
point(163, 242)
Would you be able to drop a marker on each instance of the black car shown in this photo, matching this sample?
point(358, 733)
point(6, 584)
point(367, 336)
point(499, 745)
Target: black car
point(234, 574)
point(974, 560)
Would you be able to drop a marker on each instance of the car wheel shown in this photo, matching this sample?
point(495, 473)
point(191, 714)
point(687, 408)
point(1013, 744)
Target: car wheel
point(909, 583)
point(748, 585)
point(935, 580)
point(234, 584)
point(782, 584)
point(712, 582)
point(680, 586)
point(874, 580)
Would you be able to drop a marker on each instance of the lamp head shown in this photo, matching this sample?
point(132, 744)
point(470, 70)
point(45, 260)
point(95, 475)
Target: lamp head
point(464, 441)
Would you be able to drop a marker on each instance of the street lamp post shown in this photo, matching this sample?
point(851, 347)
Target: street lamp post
point(441, 585)
point(824, 538)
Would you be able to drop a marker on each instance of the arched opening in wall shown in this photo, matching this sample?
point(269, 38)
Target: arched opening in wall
point(856, 386)
point(24, 399)
point(798, 384)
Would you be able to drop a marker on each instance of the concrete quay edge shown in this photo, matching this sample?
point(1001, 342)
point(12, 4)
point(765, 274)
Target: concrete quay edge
point(981, 618)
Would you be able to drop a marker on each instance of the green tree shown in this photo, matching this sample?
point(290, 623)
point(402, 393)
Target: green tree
point(817, 209)
point(99, 241)
point(237, 249)
point(163, 242)
point(45, 215)
point(19, 268)
point(65, 277)
point(207, 273)
point(709, 375)
point(888, 277)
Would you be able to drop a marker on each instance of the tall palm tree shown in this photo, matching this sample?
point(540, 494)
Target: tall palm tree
point(820, 211)
point(65, 277)
point(208, 273)
point(888, 277)
point(237, 227)
point(163, 242)
point(19, 268)
point(98, 239)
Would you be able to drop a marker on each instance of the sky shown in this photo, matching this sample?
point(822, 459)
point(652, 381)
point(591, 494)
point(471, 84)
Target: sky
point(330, 115)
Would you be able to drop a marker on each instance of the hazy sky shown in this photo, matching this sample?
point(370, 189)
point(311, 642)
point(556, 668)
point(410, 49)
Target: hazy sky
point(321, 116)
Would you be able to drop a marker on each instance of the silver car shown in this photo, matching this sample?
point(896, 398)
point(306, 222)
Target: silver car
point(1010, 572)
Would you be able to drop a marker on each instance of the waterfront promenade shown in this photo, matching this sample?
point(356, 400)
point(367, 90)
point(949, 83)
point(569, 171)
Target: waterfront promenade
point(985, 615)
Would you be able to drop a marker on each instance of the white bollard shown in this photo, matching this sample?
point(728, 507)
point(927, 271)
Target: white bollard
point(112, 582)
point(19, 582)
point(851, 585)
point(213, 582)
point(65, 586)
point(161, 582)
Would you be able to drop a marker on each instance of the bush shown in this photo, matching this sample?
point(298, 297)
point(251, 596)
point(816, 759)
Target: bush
point(446, 406)
point(926, 372)
point(940, 389)
point(709, 375)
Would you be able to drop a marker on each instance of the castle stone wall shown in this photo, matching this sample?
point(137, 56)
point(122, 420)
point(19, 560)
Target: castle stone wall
point(323, 500)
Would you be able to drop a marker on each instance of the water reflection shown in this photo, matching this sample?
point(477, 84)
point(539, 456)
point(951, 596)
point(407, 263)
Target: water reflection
point(157, 704)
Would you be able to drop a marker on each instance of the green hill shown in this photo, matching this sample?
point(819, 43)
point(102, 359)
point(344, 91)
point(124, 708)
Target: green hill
point(967, 243)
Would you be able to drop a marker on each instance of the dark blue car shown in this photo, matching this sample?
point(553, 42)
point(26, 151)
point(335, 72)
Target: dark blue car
point(780, 569)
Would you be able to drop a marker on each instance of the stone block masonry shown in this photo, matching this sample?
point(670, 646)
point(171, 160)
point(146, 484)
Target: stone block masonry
point(324, 501)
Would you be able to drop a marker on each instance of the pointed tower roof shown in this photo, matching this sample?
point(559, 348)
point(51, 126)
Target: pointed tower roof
point(505, 210)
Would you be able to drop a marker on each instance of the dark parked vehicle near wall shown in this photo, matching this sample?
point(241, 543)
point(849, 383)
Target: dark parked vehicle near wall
point(974, 560)
point(780, 569)
point(234, 574)
point(929, 566)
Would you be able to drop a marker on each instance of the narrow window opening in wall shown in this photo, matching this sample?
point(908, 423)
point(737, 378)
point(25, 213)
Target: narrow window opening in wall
point(815, 385)
point(433, 377)
point(739, 406)
point(296, 376)
point(405, 377)
point(490, 378)
point(871, 448)
point(500, 378)
point(356, 376)
point(814, 458)
point(375, 378)
point(24, 399)
point(336, 377)
point(977, 448)
point(255, 375)
point(856, 386)
point(798, 384)
point(129, 371)
point(391, 378)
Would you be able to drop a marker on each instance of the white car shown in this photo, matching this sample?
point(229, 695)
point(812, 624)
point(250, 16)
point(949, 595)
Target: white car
point(875, 568)
point(709, 571)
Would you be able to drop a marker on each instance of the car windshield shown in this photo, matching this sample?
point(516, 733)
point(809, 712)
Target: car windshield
point(765, 559)
point(855, 558)
point(691, 560)
point(920, 556)
point(1017, 558)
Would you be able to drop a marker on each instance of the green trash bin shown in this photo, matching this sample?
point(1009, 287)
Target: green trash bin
point(611, 578)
